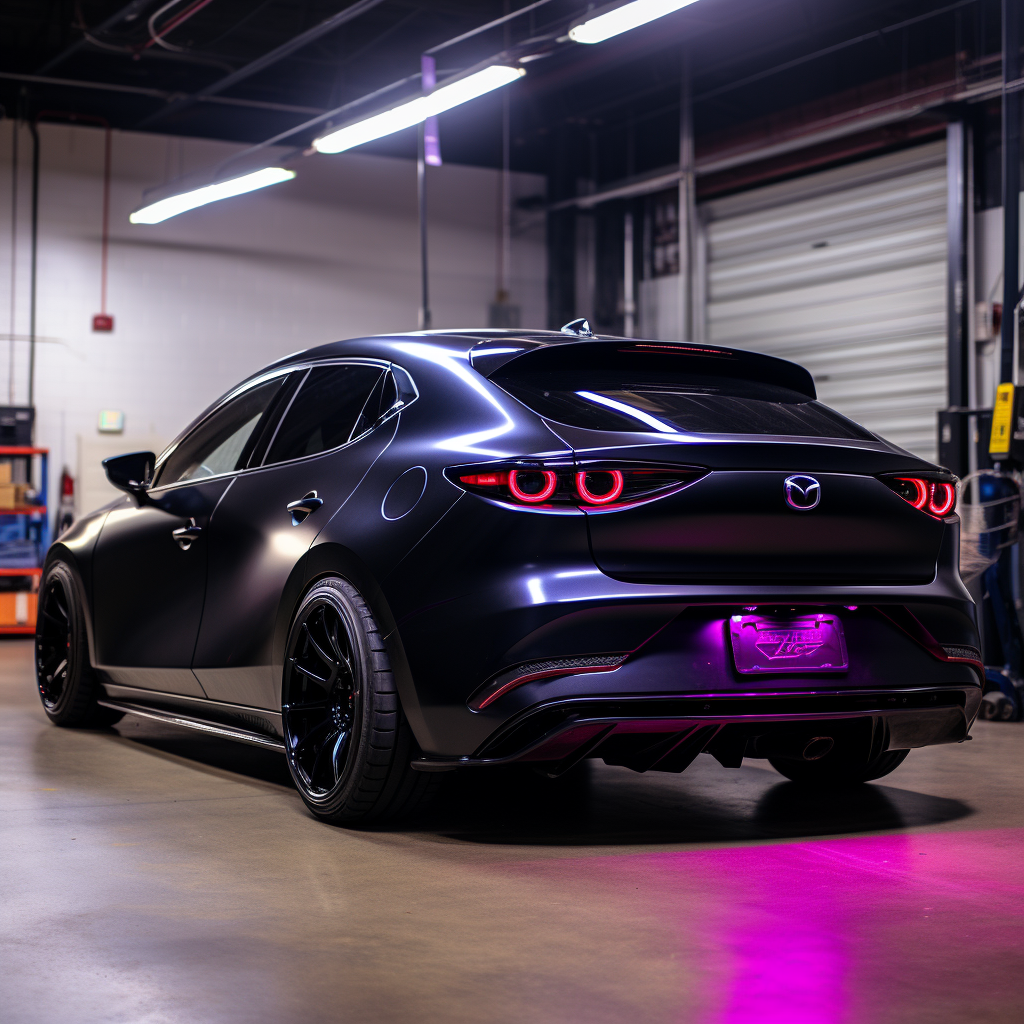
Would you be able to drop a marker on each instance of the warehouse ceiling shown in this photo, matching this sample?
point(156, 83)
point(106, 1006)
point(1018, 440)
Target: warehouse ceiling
point(246, 70)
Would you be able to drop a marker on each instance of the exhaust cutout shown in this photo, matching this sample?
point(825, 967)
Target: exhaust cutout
point(794, 748)
point(817, 747)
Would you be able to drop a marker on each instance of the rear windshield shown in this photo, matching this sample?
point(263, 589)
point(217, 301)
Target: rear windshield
point(674, 403)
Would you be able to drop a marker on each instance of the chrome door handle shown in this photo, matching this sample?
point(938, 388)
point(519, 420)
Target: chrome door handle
point(184, 535)
point(305, 506)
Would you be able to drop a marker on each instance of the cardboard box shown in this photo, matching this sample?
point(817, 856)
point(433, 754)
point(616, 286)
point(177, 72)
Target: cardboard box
point(12, 495)
point(6, 469)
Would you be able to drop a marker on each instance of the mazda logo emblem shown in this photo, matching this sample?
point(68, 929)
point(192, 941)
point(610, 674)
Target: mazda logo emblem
point(802, 492)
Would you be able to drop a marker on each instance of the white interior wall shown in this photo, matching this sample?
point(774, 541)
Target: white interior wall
point(208, 297)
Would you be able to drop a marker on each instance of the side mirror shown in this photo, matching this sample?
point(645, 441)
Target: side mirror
point(132, 472)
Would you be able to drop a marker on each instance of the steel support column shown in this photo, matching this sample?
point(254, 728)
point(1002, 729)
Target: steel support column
point(1011, 188)
point(687, 203)
point(954, 429)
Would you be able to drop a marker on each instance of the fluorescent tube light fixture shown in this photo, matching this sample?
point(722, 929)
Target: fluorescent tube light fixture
point(173, 205)
point(405, 115)
point(621, 19)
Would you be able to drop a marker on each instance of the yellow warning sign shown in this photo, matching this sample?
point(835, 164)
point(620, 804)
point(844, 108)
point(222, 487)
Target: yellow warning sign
point(1002, 421)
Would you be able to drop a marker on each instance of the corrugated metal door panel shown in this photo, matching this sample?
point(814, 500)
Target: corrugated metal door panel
point(915, 196)
point(844, 272)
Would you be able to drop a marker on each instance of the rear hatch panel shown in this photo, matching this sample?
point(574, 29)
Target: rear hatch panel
point(734, 524)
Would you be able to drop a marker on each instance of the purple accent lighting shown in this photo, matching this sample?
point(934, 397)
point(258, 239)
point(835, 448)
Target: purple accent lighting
point(847, 930)
point(805, 643)
point(431, 134)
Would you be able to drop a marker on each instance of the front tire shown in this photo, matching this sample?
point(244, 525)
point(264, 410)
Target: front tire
point(347, 742)
point(67, 683)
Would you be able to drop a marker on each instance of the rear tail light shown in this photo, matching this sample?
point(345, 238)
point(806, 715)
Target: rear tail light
point(532, 486)
point(608, 487)
point(936, 496)
point(559, 487)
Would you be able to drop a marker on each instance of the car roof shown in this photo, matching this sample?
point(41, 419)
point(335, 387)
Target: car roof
point(490, 349)
point(459, 342)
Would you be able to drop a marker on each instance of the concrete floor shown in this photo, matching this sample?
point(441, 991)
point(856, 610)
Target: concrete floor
point(150, 875)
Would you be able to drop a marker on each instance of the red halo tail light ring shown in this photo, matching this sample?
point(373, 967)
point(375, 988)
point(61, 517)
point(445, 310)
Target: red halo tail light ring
point(532, 498)
point(935, 497)
point(942, 500)
point(612, 494)
point(562, 487)
point(920, 488)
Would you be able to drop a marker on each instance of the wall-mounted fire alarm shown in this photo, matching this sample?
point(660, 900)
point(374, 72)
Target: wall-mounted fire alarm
point(102, 322)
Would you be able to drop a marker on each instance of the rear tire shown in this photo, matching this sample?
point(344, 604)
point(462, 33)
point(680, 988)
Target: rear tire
point(840, 767)
point(68, 686)
point(348, 744)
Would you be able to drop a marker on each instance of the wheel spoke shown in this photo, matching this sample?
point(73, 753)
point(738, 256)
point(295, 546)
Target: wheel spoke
point(50, 659)
point(307, 672)
point(321, 762)
point(306, 705)
point(340, 746)
point(50, 676)
point(311, 732)
point(318, 649)
point(62, 623)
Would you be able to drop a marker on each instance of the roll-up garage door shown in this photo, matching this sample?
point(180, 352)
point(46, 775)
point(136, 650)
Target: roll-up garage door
point(844, 272)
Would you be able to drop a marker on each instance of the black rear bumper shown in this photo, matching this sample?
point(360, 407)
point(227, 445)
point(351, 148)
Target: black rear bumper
point(665, 733)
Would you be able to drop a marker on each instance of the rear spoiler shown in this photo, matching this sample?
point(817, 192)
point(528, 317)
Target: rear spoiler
point(531, 355)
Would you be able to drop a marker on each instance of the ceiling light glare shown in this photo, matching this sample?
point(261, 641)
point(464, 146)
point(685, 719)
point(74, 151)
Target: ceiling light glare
point(154, 213)
point(412, 112)
point(622, 19)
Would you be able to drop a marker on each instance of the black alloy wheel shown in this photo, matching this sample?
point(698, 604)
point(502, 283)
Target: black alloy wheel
point(324, 700)
point(68, 686)
point(347, 742)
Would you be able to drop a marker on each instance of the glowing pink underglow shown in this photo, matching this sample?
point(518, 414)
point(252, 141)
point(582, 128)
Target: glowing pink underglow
point(851, 930)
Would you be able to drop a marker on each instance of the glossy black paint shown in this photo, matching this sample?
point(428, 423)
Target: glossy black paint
point(466, 588)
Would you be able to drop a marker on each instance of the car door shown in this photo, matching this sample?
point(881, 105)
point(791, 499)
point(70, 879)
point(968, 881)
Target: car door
point(322, 448)
point(150, 563)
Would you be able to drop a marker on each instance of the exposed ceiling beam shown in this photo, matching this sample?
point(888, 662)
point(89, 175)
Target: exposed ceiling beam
point(260, 63)
point(159, 94)
point(125, 14)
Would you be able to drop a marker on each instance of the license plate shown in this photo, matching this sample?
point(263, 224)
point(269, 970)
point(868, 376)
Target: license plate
point(805, 643)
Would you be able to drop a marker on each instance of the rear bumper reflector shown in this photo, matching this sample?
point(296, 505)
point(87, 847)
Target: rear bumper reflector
point(532, 671)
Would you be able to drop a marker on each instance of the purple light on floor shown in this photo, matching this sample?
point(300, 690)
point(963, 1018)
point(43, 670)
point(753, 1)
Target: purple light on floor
point(848, 930)
point(794, 974)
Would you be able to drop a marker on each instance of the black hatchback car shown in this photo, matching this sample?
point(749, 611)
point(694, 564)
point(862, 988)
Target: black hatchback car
point(398, 556)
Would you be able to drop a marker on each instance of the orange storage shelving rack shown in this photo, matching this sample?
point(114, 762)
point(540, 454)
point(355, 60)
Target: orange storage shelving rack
point(24, 538)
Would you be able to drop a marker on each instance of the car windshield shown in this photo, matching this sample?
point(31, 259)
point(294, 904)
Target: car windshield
point(671, 403)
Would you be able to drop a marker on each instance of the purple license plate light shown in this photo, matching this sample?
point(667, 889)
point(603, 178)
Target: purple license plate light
point(801, 643)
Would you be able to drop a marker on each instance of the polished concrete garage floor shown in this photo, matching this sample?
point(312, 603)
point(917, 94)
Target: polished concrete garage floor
point(150, 875)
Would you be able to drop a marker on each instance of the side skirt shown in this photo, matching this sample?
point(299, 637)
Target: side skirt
point(186, 721)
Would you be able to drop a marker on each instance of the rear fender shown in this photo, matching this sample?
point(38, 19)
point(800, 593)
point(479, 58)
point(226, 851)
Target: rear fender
point(321, 562)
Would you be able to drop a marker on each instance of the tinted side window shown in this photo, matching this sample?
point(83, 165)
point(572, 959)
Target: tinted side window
point(221, 443)
point(325, 412)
